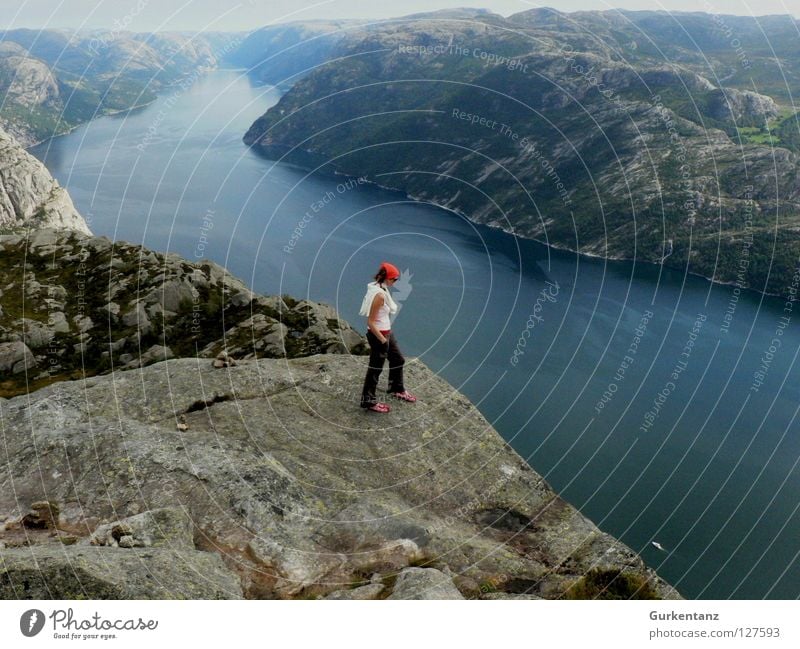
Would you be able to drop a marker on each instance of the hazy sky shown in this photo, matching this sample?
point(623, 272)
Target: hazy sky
point(150, 15)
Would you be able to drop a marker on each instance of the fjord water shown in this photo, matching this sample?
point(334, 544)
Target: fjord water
point(696, 444)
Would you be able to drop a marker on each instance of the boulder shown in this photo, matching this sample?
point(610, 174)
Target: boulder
point(137, 317)
point(15, 357)
point(424, 583)
point(153, 354)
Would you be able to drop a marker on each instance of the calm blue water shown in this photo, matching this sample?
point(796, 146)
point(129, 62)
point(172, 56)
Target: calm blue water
point(711, 473)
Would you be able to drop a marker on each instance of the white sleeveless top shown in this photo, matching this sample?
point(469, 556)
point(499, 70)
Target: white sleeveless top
point(382, 320)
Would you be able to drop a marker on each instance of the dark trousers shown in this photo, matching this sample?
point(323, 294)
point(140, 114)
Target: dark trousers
point(379, 352)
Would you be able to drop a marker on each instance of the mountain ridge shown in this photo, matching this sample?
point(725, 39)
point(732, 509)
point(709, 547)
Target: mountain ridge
point(658, 162)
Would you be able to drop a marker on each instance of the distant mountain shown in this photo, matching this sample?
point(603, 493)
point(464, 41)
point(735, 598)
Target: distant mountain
point(641, 135)
point(51, 81)
point(281, 54)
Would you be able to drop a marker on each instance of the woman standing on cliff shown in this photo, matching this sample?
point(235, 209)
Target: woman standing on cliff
point(377, 307)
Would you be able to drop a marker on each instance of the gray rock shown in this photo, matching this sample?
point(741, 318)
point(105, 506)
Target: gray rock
point(152, 355)
point(370, 591)
point(29, 195)
point(15, 355)
point(58, 322)
point(128, 541)
point(172, 293)
point(424, 583)
point(117, 344)
point(509, 596)
point(274, 339)
point(113, 309)
point(83, 323)
point(37, 334)
point(286, 477)
point(137, 317)
point(169, 527)
point(80, 572)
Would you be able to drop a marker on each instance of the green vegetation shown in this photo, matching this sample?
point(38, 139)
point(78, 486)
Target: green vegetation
point(34, 288)
point(611, 584)
point(783, 131)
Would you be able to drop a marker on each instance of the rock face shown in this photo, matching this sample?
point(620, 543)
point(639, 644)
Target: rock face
point(284, 479)
point(619, 145)
point(70, 572)
point(75, 305)
point(29, 195)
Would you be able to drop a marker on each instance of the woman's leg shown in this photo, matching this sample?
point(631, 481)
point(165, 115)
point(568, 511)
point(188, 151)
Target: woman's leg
point(396, 362)
point(377, 357)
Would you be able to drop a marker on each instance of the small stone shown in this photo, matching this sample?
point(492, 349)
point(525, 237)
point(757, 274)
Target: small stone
point(119, 530)
point(182, 425)
point(43, 516)
point(224, 359)
point(126, 541)
point(376, 578)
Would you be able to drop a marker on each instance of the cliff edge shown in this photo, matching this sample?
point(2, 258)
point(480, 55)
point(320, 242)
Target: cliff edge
point(266, 480)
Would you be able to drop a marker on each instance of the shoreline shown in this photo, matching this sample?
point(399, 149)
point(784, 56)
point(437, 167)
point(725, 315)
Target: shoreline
point(555, 246)
point(89, 121)
point(548, 245)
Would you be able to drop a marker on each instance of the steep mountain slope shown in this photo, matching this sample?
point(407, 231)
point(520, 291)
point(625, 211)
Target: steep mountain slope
point(29, 196)
point(542, 124)
point(74, 305)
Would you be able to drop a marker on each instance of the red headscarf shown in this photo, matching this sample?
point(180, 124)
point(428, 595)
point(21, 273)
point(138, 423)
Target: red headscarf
point(391, 270)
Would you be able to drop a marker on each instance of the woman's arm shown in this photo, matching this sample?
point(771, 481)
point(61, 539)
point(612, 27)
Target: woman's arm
point(372, 320)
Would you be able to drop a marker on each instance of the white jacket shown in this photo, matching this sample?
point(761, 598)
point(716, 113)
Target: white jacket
point(373, 288)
